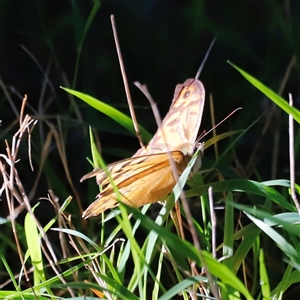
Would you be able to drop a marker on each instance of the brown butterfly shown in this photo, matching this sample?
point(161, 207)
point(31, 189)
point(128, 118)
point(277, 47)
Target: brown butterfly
point(148, 176)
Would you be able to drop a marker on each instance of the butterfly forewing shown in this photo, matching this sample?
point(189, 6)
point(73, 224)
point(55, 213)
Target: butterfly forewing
point(180, 127)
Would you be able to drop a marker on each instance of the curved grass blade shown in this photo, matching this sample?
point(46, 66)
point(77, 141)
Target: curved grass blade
point(279, 240)
point(281, 102)
point(243, 186)
point(111, 112)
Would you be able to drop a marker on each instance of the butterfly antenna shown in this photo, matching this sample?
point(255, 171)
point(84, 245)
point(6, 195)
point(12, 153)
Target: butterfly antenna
point(126, 86)
point(206, 133)
point(205, 57)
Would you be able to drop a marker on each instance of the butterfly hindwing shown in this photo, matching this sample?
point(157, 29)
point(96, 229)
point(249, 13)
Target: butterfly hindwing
point(151, 178)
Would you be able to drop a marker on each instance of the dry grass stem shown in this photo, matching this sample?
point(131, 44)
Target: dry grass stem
point(292, 156)
point(126, 86)
point(213, 222)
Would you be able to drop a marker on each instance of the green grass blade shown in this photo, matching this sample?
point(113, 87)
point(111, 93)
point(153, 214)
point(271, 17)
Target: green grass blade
point(10, 272)
point(118, 289)
point(181, 286)
point(187, 250)
point(34, 247)
point(289, 278)
point(222, 136)
point(225, 274)
point(155, 292)
point(281, 242)
point(282, 103)
point(228, 232)
point(251, 232)
point(79, 235)
point(244, 186)
point(79, 33)
point(271, 220)
point(264, 279)
point(111, 112)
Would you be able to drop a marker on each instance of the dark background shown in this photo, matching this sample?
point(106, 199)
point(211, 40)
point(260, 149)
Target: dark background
point(163, 44)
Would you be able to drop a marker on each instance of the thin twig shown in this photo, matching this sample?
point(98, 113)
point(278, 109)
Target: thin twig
point(144, 90)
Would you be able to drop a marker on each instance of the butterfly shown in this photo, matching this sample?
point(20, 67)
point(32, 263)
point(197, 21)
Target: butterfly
point(148, 175)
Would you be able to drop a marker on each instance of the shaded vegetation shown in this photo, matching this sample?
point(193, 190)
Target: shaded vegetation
point(48, 44)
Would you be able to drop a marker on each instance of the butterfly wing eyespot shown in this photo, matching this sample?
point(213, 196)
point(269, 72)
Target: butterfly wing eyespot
point(186, 94)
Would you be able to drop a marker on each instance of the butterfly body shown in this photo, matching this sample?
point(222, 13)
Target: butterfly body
point(148, 175)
